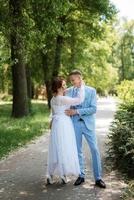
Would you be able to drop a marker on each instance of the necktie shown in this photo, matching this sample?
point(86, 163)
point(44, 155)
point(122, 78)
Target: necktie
point(75, 92)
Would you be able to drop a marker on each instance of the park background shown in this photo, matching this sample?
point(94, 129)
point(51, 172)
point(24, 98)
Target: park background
point(43, 39)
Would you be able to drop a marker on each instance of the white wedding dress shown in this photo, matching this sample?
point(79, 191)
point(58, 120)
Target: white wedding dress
point(62, 155)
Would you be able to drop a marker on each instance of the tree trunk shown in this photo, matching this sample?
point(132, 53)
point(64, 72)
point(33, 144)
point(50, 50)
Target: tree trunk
point(57, 61)
point(29, 85)
point(20, 106)
point(51, 69)
point(49, 91)
point(47, 77)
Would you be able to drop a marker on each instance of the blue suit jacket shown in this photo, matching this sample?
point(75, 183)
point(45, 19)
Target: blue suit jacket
point(88, 108)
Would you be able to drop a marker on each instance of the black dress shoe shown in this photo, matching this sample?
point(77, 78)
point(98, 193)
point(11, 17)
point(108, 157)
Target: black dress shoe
point(63, 180)
point(49, 180)
point(79, 181)
point(100, 183)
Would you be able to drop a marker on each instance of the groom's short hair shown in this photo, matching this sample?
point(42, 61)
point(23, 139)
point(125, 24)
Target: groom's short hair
point(75, 72)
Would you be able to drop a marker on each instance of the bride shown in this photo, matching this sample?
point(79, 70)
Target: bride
point(62, 155)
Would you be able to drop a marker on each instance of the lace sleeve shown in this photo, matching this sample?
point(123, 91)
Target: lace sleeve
point(75, 101)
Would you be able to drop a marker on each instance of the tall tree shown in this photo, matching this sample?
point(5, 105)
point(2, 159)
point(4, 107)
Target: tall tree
point(20, 96)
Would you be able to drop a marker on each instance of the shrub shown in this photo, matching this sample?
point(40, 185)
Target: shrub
point(125, 91)
point(129, 191)
point(121, 140)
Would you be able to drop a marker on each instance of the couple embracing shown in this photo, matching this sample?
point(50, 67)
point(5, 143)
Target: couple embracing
point(73, 117)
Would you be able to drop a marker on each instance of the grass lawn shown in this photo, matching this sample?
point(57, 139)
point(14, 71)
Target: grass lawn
point(17, 132)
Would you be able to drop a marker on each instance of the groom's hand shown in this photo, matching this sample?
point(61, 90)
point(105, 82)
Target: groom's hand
point(71, 112)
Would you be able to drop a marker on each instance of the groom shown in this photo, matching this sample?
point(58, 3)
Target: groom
point(84, 124)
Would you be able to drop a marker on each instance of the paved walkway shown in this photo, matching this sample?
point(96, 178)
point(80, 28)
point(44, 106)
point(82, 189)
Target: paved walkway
point(22, 174)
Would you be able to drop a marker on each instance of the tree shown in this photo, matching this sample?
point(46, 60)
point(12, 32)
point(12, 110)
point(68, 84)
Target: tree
point(123, 49)
point(20, 96)
point(60, 19)
point(54, 37)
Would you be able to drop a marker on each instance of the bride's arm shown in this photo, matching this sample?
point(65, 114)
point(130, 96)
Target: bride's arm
point(67, 92)
point(77, 100)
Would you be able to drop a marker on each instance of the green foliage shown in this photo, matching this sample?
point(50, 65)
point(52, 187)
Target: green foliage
point(126, 91)
point(17, 132)
point(92, 57)
point(43, 21)
point(5, 74)
point(121, 137)
point(121, 140)
point(129, 192)
point(84, 27)
point(123, 49)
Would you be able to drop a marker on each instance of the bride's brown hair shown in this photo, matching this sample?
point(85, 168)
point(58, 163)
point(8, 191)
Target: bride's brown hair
point(57, 83)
